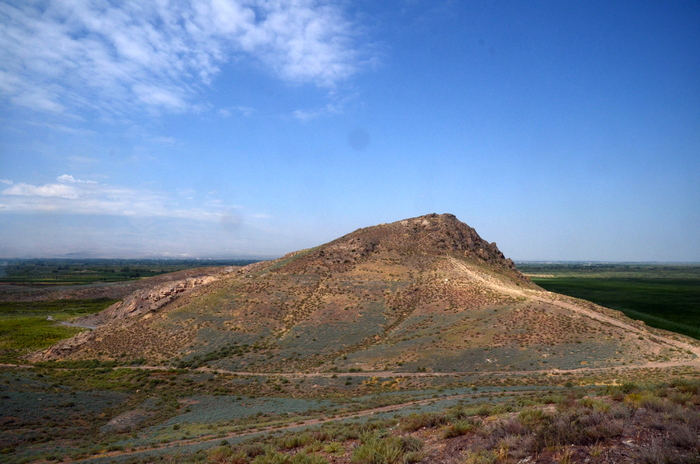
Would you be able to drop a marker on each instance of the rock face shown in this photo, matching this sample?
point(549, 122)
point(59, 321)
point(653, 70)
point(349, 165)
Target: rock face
point(424, 293)
point(433, 234)
point(128, 311)
point(145, 301)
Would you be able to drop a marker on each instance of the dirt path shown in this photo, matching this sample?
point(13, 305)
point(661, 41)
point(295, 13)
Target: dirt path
point(83, 326)
point(306, 423)
point(555, 300)
point(611, 320)
point(534, 295)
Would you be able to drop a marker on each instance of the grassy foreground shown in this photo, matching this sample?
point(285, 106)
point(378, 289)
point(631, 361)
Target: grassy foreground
point(103, 415)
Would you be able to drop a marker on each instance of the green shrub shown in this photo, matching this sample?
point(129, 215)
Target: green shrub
point(595, 404)
point(376, 449)
point(532, 417)
point(411, 444)
point(303, 458)
point(414, 421)
point(629, 387)
point(254, 449)
point(272, 457)
point(296, 441)
point(481, 457)
point(576, 429)
point(219, 455)
point(460, 428)
point(378, 452)
point(687, 385)
point(334, 447)
point(680, 397)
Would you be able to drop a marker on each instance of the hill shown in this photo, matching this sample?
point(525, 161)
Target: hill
point(425, 294)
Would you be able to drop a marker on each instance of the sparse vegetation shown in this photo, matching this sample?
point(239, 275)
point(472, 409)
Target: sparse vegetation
point(351, 353)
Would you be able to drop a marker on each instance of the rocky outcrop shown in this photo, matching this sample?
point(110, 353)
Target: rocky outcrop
point(62, 348)
point(126, 311)
point(144, 301)
point(429, 235)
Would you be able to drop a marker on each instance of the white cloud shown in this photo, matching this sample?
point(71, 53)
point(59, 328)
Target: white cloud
point(74, 196)
point(70, 179)
point(45, 191)
point(116, 57)
point(336, 106)
point(164, 140)
point(306, 115)
point(245, 111)
point(6, 181)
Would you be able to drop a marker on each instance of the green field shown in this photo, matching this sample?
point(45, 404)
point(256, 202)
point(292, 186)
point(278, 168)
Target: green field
point(26, 327)
point(661, 295)
point(86, 271)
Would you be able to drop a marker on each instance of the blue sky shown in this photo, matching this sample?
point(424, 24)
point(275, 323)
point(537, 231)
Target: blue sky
point(232, 128)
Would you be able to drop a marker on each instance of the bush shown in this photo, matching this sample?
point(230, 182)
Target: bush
point(272, 457)
point(254, 449)
point(414, 421)
point(576, 429)
point(296, 441)
point(409, 444)
point(460, 428)
point(680, 397)
point(219, 455)
point(687, 385)
point(334, 447)
point(532, 417)
point(376, 449)
point(378, 452)
point(684, 437)
point(595, 404)
point(303, 458)
point(481, 457)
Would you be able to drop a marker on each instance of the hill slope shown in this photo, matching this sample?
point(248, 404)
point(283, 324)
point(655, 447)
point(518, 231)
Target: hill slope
point(422, 294)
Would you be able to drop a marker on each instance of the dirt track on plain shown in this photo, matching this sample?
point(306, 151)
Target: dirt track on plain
point(306, 423)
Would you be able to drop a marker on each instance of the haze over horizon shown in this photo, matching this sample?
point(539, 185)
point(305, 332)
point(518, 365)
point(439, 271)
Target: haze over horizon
point(249, 129)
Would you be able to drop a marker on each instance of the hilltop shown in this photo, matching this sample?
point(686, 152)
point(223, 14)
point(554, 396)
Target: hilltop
point(426, 294)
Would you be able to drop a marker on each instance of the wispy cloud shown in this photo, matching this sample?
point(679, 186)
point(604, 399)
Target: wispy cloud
point(245, 111)
point(75, 196)
point(70, 179)
point(116, 57)
point(43, 191)
point(329, 108)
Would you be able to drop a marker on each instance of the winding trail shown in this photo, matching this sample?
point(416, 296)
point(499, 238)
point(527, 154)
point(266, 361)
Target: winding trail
point(306, 423)
point(556, 299)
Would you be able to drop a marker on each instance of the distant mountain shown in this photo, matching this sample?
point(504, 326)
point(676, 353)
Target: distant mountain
point(422, 294)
